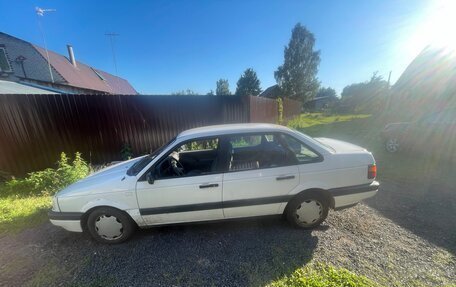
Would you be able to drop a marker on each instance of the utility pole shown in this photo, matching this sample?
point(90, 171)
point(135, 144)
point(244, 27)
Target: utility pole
point(39, 13)
point(111, 39)
point(389, 95)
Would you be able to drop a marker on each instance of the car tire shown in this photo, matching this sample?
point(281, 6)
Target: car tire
point(392, 145)
point(110, 225)
point(307, 210)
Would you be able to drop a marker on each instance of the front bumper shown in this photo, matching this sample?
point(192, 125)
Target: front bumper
point(70, 221)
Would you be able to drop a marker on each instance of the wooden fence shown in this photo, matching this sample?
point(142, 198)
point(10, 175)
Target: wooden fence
point(35, 129)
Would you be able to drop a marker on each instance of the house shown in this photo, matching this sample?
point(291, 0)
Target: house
point(27, 66)
point(273, 92)
point(320, 103)
point(428, 84)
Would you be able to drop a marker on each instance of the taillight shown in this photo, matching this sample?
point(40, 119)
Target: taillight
point(372, 171)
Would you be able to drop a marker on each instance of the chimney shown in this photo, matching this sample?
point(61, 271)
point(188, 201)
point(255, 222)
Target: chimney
point(71, 55)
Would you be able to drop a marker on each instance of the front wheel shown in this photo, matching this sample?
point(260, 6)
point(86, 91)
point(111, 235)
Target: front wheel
point(308, 210)
point(392, 145)
point(110, 225)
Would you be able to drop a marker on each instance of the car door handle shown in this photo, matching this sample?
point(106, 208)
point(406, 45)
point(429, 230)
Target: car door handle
point(285, 177)
point(209, 185)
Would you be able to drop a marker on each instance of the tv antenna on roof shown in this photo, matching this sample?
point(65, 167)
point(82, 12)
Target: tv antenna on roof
point(41, 12)
point(111, 39)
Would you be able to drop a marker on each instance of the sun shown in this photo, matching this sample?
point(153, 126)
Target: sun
point(440, 29)
point(433, 26)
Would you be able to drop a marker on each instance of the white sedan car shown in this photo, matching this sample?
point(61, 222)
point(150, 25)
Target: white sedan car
point(220, 172)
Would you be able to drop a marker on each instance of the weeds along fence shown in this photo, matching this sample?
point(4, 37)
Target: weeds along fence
point(35, 129)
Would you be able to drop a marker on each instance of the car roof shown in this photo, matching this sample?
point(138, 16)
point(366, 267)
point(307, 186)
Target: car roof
point(231, 129)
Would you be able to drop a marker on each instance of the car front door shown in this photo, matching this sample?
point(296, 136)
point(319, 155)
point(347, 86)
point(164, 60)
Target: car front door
point(260, 175)
point(176, 193)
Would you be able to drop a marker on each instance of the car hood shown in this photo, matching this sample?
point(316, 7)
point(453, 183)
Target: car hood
point(340, 146)
point(108, 179)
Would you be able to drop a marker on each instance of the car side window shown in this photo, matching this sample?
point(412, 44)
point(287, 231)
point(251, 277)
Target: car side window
point(255, 151)
point(191, 158)
point(301, 151)
point(246, 141)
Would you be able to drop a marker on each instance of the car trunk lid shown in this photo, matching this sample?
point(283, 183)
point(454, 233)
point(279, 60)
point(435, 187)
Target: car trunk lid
point(340, 146)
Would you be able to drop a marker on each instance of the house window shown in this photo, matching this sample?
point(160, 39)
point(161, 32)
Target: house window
point(4, 64)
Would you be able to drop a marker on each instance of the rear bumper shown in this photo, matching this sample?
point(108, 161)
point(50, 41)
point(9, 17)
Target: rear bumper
point(346, 196)
point(70, 221)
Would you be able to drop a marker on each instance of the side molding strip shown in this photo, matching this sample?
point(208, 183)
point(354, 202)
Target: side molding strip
point(215, 205)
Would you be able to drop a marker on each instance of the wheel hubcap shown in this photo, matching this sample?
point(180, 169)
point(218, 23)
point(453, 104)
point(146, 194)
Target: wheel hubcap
point(392, 145)
point(309, 211)
point(109, 227)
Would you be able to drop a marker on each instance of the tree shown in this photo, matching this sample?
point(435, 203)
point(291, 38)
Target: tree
point(210, 93)
point(248, 84)
point(366, 97)
point(297, 77)
point(326, 93)
point(223, 88)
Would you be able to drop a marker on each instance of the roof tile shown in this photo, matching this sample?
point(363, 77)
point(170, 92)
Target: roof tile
point(84, 76)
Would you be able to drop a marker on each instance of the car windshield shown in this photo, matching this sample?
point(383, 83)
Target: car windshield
point(142, 163)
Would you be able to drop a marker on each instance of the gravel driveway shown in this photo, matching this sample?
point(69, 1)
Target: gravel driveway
point(394, 238)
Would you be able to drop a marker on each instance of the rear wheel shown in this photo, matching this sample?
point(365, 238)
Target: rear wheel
point(110, 225)
point(308, 210)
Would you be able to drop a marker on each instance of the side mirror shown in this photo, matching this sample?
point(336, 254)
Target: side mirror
point(150, 177)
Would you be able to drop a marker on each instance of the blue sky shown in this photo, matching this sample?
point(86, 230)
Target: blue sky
point(168, 46)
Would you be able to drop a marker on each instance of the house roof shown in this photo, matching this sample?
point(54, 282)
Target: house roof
point(8, 87)
point(433, 71)
point(272, 92)
point(86, 77)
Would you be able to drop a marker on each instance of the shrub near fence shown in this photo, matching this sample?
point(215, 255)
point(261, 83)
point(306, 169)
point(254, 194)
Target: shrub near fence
point(35, 129)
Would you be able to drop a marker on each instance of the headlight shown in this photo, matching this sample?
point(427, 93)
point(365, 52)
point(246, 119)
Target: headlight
point(55, 204)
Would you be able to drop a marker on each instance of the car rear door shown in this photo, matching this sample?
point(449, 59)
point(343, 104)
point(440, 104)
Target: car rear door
point(260, 175)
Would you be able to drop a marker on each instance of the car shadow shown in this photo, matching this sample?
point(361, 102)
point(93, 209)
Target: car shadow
point(427, 210)
point(234, 253)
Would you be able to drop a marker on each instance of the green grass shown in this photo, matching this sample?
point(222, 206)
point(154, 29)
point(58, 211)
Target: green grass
point(18, 212)
point(322, 275)
point(24, 201)
point(313, 119)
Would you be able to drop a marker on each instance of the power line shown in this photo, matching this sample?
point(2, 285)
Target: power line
point(111, 40)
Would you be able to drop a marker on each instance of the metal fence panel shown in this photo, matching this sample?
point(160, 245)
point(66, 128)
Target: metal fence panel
point(291, 108)
point(263, 110)
point(35, 129)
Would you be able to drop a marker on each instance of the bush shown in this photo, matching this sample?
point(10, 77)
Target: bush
point(126, 151)
point(280, 110)
point(50, 180)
